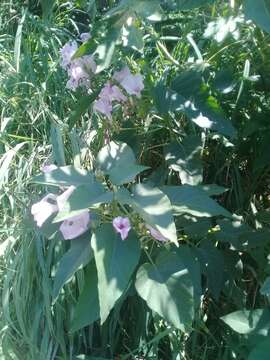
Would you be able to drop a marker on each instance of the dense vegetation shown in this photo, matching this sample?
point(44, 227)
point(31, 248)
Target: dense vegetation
point(157, 124)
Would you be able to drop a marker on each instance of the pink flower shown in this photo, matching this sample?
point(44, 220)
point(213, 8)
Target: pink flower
point(80, 71)
point(85, 36)
point(156, 234)
point(122, 226)
point(42, 210)
point(75, 226)
point(103, 106)
point(119, 76)
point(133, 84)
point(48, 168)
point(112, 92)
point(67, 51)
point(62, 199)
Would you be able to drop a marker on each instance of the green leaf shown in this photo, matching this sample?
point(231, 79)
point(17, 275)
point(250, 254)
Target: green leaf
point(191, 4)
point(133, 37)
point(115, 260)
point(261, 351)
point(81, 108)
point(259, 12)
point(105, 50)
point(193, 200)
point(66, 176)
point(249, 321)
point(58, 145)
point(82, 198)
point(78, 255)
point(265, 289)
point(155, 208)
point(203, 112)
point(185, 158)
point(168, 290)
point(87, 309)
point(118, 161)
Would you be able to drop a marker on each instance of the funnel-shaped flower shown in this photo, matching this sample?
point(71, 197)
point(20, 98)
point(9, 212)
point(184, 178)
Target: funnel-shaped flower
point(42, 210)
point(75, 226)
point(122, 226)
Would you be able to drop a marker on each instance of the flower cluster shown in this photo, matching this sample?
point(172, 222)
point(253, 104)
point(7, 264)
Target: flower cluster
point(51, 204)
point(132, 84)
point(80, 69)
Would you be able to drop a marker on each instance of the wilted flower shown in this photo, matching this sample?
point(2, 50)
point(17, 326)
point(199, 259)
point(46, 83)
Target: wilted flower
point(75, 226)
point(67, 51)
point(122, 226)
point(42, 210)
point(156, 234)
point(48, 168)
point(85, 36)
point(133, 84)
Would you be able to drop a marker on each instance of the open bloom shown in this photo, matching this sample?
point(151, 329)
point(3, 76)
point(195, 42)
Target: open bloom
point(156, 234)
point(49, 205)
point(112, 92)
point(133, 84)
point(85, 36)
point(67, 51)
point(80, 71)
point(48, 168)
point(43, 209)
point(75, 226)
point(61, 199)
point(104, 106)
point(122, 226)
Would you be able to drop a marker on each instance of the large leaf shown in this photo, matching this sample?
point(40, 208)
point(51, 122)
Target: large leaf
point(168, 290)
point(118, 161)
point(82, 198)
point(105, 50)
point(191, 4)
point(261, 351)
point(87, 309)
point(115, 260)
point(193, 200)
point(185, 158)
point(148, 9)
point(259, 12)
point(78, 255)
point(203, 112)
point(65, 176)
point(154, 207)
point(249, 321)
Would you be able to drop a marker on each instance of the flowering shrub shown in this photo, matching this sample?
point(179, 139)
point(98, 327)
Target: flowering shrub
point(152, 235)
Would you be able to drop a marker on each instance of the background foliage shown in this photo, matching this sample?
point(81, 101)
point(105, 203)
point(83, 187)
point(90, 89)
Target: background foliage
point(204, 63)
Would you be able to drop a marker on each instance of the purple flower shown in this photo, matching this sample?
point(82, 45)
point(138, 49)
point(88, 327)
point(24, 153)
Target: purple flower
point(119, 76)
point(85, 36)
point(67, 51)
point(80, 71)
point(112, 92)
point(122, 226)
point(75, 226)
point(156, 234)
point(43, 209)
point(48, 168)
point(133, 84)
point(103, 106)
